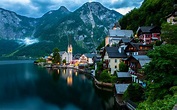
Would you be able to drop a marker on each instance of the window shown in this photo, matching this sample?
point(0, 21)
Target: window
point(115, 60)
point(146, 48)
point(115, 66)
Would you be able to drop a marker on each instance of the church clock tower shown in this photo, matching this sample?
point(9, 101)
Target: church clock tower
point(70, 53)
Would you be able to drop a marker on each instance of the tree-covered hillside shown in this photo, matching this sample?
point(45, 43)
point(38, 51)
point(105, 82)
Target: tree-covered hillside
point(151, 12)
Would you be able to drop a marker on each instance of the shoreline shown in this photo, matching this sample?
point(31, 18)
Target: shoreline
point(99, 85)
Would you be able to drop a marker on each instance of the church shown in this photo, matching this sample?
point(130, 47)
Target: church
point(68, 56)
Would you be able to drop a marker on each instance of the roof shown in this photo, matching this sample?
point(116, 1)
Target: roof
point(140, 57)
point(122, 33)
point(123, 74)
point(175, 107)
point(121, 88)
point(143, 59)
point(173, 13)
point(114, 53)
point(89, 55)
point(77, 56)
point(125, 40)
point(62, 52)
point(147, 29)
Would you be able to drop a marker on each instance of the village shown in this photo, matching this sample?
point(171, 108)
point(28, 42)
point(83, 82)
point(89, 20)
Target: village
point(122, 47)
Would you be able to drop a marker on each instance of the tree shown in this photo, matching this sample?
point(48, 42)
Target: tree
point(56, 55)
point(64, 61)
point(169, 33)
point(165, 104)
point(161, 75)
point(134, 93)
point(123, 67)
point(102, 44)
point(150, 12)
point(105, 77)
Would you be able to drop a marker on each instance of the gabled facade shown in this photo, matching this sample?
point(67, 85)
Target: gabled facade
point(112, 57)
point(88, 58)
point(83, 59)
point(148, 34)
point(137, 49)
point(64, 56)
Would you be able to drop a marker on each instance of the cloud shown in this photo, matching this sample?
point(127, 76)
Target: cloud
point(125, 10)
point(124, 3)
point(37, 8)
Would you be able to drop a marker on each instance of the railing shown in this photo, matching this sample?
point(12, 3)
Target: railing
point(130, 105)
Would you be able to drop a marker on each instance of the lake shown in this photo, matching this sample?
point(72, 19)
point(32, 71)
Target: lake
point(26, 86)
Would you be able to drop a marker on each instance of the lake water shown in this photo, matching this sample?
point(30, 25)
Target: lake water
point(25, 86)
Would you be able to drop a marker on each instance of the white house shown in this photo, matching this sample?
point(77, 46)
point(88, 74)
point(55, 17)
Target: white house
point(87, 58)
point(112, 57)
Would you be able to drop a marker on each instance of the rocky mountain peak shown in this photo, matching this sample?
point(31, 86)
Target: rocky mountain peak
point(63, 9)
point(95, 5)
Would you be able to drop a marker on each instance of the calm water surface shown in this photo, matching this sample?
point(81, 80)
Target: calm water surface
point(25, 86)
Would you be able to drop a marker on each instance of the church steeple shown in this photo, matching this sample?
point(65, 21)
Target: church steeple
point(70, 53)
point(70, 48)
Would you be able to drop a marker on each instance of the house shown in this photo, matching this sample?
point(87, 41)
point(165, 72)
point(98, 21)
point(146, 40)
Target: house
point(135, 63)
point(124, 77)
point(83, 59)
point(90, 58)
point(119, 91)
point(137, 49)
point(87, 58)
point(115, 35)
point(112, 57)
point(172, 17)
point(49, 59)
point(75, 60)
point(148, 34)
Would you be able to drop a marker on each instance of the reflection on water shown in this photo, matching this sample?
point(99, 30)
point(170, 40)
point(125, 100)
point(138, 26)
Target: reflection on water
point(28, 87)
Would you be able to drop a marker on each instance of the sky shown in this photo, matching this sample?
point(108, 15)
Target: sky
point(37, 8)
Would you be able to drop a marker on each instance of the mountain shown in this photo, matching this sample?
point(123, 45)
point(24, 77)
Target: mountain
point(151, 12)
point(85, 28)
point(13, 26)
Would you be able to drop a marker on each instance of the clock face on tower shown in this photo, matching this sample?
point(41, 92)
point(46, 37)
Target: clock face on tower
point(70, 49)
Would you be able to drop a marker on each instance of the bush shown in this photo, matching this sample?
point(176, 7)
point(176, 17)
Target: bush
point(123, 67)
point(134, 93)
point(105, 77)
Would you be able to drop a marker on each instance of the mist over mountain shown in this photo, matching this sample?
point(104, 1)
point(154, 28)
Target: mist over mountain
point(84, 28)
